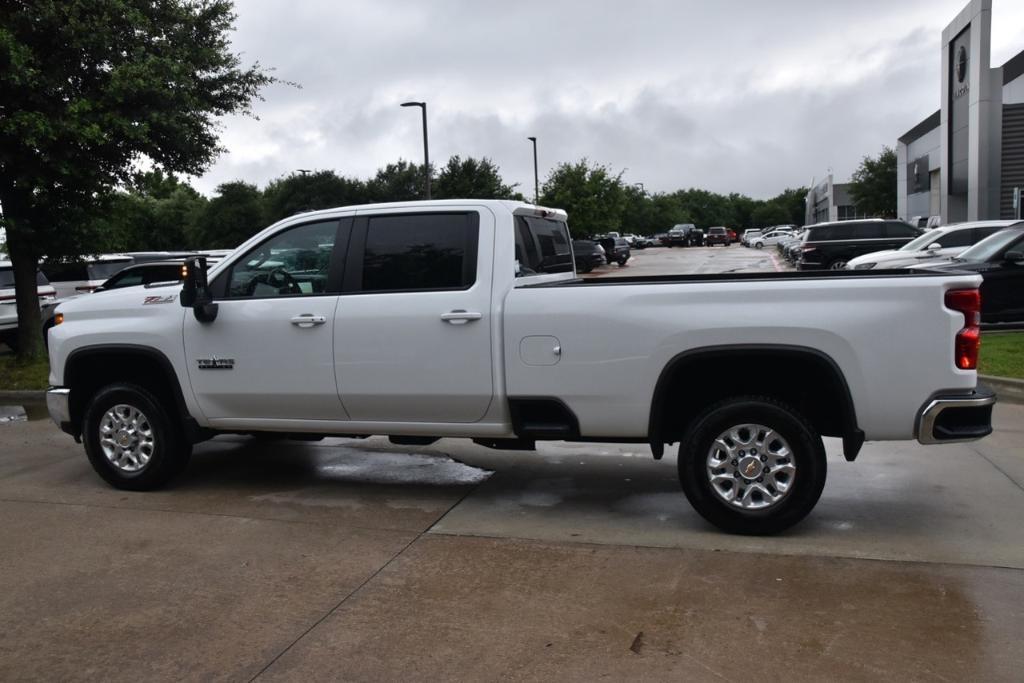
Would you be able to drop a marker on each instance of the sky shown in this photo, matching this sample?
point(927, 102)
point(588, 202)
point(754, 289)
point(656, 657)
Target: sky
point(750, 97)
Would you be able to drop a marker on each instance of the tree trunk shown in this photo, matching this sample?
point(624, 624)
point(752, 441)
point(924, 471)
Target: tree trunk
point(25, 264)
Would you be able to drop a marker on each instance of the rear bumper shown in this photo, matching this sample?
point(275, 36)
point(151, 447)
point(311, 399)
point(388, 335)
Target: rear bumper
point(951, 419)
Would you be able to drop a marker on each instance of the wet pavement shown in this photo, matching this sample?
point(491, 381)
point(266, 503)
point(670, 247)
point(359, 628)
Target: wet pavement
point(362, 560)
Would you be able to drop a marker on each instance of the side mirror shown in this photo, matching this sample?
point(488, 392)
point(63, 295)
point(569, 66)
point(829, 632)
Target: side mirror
point(1015, 256)
point(195, 291)
point(934, 246)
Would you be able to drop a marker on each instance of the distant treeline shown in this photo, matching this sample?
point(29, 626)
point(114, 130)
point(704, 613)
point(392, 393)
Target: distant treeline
point(161, 212)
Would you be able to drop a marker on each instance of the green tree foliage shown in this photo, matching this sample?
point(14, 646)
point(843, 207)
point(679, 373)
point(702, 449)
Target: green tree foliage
point(300, 192)
point(471, 178)
point(88, 87)
point(594, 198)
point(234, 215)
point(873, 186)
point(402, 181)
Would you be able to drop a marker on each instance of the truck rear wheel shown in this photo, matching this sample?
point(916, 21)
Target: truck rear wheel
point(752, 465)
point(131, 439)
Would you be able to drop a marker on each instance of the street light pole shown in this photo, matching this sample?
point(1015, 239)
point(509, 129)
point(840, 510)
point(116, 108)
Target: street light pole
point(536, 180)
point(426, 148)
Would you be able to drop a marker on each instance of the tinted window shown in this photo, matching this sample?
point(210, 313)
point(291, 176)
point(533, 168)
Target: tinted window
point(101, 270)
point(65, 272)
point(542, 246)
point(426, 251)
point(900, 230)
point(978, 234)
point(957, 238)
point(124, 279)
point(291, 263)
point(7, 278)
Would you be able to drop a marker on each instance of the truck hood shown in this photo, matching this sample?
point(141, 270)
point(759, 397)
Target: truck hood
point(128, 300)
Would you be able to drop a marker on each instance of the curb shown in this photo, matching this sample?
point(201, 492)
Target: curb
point(1007, 390)
point(31, 396)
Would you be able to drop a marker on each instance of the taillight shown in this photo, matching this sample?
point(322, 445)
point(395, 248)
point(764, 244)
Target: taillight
point(968, 339)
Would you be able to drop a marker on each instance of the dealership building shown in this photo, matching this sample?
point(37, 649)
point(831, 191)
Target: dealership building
point(965, 160)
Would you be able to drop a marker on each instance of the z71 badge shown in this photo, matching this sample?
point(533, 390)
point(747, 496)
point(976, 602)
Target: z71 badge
point(159, 299)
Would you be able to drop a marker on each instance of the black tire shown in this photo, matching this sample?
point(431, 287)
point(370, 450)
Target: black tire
point(11, 340)
point(622, 261)
point(170, 452)
point(808, 456)
point(584, 269)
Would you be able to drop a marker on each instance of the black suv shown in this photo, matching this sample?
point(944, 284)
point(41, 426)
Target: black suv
point(615, 249)
point(831, 245)
point(588, 255)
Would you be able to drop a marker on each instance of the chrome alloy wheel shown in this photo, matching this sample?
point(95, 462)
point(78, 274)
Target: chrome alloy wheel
point(126, 437)
point(751, 467)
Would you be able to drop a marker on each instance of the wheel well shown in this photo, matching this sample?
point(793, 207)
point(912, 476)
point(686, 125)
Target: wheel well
point(87, 370)
point(803, 378)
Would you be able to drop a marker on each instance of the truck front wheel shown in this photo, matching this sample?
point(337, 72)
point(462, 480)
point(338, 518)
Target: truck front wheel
point(131, 439)
point(752, 465)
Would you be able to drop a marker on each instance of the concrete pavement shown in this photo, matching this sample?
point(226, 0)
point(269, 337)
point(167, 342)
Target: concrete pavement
point(360, 560)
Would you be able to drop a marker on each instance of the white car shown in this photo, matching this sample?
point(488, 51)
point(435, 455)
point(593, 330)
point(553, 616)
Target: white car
point(769, 238)
point(930, 247)
point(8, 307)
point(410, 320)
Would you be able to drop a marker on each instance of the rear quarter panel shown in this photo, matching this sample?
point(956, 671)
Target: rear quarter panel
point(891, 337)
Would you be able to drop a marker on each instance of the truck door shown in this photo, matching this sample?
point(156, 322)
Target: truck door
point(412, 335)
point(269, 353)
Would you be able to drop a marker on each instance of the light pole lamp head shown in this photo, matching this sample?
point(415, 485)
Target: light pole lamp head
point(414, 104)
point(532, 139)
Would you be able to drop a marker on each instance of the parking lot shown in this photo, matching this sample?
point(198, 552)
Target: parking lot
point(361, 560)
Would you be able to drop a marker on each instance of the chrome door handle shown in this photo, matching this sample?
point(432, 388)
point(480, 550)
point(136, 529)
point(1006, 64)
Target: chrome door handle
point(308, 320)
point(460, 317)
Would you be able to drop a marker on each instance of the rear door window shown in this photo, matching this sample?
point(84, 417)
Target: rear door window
point(543, 246)
point(409, 252)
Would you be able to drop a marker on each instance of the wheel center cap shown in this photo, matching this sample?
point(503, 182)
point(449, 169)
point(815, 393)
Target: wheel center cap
point(124, 439)
point(750, 467)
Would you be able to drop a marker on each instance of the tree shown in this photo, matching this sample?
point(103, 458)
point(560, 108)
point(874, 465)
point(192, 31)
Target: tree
point(87, 89)
point(593, 197)
point(471, 178)
point(233, 216)
point(873, 187)
point(299, 192)
point(398, 182)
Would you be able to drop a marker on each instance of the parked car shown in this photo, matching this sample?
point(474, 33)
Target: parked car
point(925, 222)
point(677, 235)
point(8, 306)
point(769, 238)
point(659, 239)
point(588, 255)
point(616, 250)
point(999, 259)
point(939, 243)
point(831, 245)
point(433, 334)
point(82, 276)
point(733, 237)
point(718, 235)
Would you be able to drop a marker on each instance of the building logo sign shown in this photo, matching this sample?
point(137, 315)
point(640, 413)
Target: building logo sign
point(961, 64)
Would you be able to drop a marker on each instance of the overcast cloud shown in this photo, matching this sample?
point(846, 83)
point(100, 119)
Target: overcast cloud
point(748, 97)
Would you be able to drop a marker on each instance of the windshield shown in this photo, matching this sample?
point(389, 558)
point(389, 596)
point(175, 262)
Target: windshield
point(921, 241)
point(102, 270)
point(992, 245)
point(7, 278)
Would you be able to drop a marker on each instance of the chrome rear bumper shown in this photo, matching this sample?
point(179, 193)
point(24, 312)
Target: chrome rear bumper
point(952, 419)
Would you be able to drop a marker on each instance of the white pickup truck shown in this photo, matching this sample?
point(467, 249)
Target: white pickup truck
point(466, 319)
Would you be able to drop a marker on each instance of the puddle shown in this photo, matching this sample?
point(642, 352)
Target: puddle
point(28, 412)
point(402, 468)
